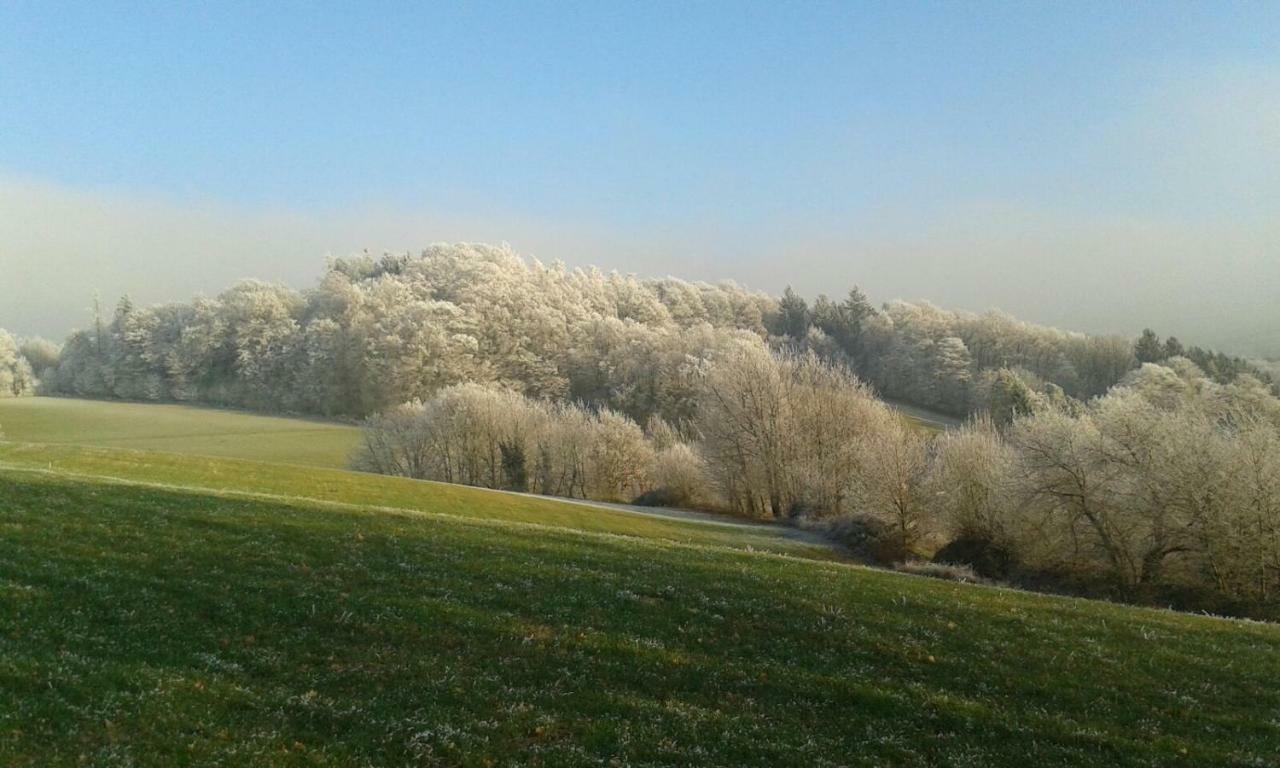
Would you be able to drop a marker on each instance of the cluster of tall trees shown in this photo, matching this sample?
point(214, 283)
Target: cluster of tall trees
point(1170, 480)
point(378, 332)
point(1219, 366)
point(952, 361)
point(771, 434)
point(1168, 484)
point(496, 438)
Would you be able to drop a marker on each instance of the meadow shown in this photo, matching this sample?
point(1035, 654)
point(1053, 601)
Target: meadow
point(182, 429)
point(161, 609)
point(327, 488)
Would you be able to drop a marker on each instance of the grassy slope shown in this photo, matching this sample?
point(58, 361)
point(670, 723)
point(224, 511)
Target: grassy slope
point(177, 429)
point(337, 487)
point(186, 445)
point(159, 609)
point(159, 627)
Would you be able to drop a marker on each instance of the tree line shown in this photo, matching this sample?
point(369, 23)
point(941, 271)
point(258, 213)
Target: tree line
point(953, 361)
point(1166, 489)
point(496, 438)
point(1138, 466)
point(378, 332)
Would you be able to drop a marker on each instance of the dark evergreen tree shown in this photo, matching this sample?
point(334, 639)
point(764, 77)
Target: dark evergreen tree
point(1148, 348)
point(793, 315)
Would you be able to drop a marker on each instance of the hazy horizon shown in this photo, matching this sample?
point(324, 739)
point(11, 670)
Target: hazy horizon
point(1100, 169)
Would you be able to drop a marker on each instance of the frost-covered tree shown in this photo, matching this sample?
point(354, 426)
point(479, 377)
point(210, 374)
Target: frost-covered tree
point(499, 438)
point(41, 354)
point(834, 417)
point(679, 477)
point(892, 481)
point(1166, 480)
point(782, 434)
point(619, 459)
point(970, 483)
point(1005, 394)
point(746, 429)
point(16, 377)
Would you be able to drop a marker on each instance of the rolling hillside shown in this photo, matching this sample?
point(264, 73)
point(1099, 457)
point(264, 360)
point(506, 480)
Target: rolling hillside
point(328, 489)
point(160, 609)
point(146, 626)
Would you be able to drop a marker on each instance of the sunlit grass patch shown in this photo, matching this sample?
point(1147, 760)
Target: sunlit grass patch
point(379, 492)
point(183, 429)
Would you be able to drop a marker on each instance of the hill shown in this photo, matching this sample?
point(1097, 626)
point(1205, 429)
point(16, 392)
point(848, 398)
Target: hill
point(161, 608)
point(250, 456)
point(154, 626)
point(328, 488)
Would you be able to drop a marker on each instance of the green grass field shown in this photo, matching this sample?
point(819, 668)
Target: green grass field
point(177, 429)
point(181, 610)
point(330, 488)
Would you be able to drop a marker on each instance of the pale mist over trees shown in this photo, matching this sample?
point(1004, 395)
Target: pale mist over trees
point(1143, 469)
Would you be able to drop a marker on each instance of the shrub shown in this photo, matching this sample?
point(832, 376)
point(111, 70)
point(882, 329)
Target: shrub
point(865, 537)
point(678, 477)
point(945, 571)
point(983, 555)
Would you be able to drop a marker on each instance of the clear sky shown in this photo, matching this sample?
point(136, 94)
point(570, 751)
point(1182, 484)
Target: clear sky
point(1099, 166)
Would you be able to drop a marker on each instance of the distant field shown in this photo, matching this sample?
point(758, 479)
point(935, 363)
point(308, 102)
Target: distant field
point(155, 627)
point(177, 429)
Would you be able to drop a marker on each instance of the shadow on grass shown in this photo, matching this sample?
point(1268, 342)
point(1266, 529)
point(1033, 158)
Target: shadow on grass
point(157, 627)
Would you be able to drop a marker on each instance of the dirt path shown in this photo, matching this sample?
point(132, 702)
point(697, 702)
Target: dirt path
point(702, 518)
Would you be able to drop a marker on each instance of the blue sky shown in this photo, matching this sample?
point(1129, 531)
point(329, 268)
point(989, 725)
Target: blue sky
point(816, 144)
